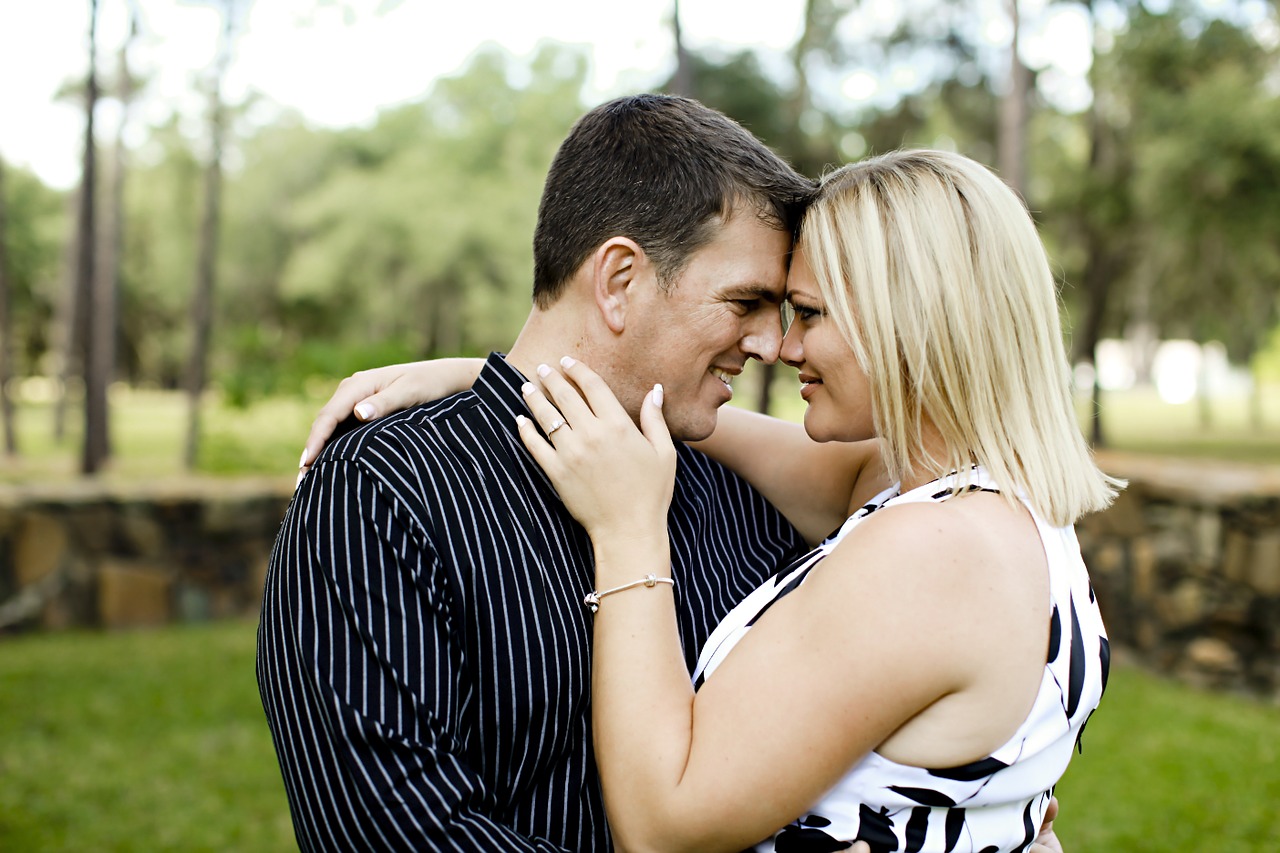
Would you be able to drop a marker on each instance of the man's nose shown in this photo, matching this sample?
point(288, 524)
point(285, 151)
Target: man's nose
point(764, 337)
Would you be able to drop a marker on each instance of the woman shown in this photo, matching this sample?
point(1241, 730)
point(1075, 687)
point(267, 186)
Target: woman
point(892, 686)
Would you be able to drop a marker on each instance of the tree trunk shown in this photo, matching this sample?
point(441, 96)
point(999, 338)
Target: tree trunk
point(91, 458)
point(1102, 261)
point(682, 82)
point(101, 367)
point(1204, 399)
point(206, 262)
point(1013, 113)
point(6, 331)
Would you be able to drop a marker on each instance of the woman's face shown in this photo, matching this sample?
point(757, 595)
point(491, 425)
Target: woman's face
point(831, 380)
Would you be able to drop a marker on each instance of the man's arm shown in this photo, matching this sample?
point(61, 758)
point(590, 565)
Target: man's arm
point(361, 678)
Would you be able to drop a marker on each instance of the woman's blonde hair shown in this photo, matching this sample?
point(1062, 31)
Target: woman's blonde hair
point(933, 271)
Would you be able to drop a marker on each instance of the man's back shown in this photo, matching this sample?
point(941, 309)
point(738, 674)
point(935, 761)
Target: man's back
point(424, 656)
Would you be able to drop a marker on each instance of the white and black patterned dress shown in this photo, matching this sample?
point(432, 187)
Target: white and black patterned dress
point(993, 804)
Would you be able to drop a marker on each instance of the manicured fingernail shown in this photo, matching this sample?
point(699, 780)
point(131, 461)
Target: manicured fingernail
point(527, 389)
point(567, 362)
point(521, 420)
point(543, 370)
point(657, 395)
point(303, 461)
point(298, 482)
point(364, 411)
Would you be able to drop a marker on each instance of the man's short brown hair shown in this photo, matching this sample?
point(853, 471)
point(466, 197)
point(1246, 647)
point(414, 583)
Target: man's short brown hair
point(663, 171)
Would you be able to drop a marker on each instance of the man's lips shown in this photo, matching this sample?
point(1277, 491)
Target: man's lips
point(726, 375)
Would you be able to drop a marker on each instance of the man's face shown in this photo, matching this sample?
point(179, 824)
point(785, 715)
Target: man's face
point(697, 335)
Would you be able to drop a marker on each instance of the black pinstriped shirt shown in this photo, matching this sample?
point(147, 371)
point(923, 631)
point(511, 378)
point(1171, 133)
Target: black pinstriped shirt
point(424, 655)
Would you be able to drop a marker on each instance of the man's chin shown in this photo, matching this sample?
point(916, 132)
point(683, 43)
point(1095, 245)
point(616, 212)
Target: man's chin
point(692, 426)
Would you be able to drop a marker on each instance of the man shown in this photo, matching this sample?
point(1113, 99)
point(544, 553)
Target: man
point(424, 652)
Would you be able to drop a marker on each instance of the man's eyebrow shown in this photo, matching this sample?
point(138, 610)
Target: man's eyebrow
point(756, 291)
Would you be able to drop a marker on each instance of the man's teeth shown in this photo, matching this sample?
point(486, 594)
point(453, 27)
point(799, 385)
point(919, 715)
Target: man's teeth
point(723, 377)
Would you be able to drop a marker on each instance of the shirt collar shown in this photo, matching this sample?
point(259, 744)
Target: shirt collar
point(498, 387)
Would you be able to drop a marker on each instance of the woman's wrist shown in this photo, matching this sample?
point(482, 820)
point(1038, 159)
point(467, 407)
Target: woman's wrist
point(621, 559)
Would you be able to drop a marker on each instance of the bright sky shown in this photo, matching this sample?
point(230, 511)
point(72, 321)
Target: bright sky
point(340, 63)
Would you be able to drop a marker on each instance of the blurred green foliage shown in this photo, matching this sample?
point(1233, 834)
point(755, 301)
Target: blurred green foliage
point(411, 237)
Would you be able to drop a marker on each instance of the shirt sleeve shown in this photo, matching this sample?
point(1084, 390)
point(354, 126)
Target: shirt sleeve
point(362, 677)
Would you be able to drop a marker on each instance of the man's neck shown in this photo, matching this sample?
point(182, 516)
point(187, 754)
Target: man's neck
point(550, 335)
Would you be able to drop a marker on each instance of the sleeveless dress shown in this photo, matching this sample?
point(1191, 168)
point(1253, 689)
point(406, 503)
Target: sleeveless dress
point(993, 804)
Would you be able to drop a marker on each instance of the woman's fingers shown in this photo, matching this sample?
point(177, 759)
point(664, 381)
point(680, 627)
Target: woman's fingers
point(598, 395)
point(542, 452)
point(544, 412)
point(566, 397)
point(352, 392)
point(653, 424)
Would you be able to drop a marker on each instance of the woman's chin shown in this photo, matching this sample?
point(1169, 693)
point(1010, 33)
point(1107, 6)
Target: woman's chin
point(816, 429)
point(821, 431)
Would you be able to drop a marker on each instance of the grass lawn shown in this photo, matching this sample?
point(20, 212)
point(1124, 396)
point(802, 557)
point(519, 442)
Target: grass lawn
point(148, 435)
point(142, 741)
point(155, 741)
point(1166, 767)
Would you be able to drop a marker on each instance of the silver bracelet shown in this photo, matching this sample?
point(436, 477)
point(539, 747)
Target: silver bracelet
point(592, 599)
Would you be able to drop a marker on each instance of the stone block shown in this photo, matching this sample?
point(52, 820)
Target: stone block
point(1207, 537)
point(134, 595)
point(1213, 655)
point(1146, 635)
point(1264, 565)
point(193, 603)
point(1237, 550)
point(142, 535)
point(1105, 558)
point(1182, 606)
point(40, 548)
point(95, 527)
point(1142, 561)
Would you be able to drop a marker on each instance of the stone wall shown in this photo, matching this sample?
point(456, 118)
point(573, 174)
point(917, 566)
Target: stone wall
point(1186, 566)
point(90, 554)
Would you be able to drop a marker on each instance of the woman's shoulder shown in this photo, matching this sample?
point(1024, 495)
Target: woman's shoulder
point(947, 555)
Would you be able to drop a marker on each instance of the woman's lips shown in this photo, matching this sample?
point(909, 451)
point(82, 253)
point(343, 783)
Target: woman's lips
point(808, 385)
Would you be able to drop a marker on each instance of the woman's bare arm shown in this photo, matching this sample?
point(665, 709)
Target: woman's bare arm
point(813, 484)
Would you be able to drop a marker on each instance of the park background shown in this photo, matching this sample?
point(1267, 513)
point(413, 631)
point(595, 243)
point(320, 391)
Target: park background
point(233, 204)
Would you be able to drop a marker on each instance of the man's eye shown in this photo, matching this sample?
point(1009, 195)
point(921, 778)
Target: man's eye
point(748, 304)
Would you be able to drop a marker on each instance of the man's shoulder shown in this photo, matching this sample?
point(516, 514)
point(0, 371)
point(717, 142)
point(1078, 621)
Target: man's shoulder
point(405, 435)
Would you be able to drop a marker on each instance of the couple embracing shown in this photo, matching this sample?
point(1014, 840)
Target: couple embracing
point(560, 599)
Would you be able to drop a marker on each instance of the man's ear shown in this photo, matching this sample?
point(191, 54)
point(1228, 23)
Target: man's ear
point(616, 266)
